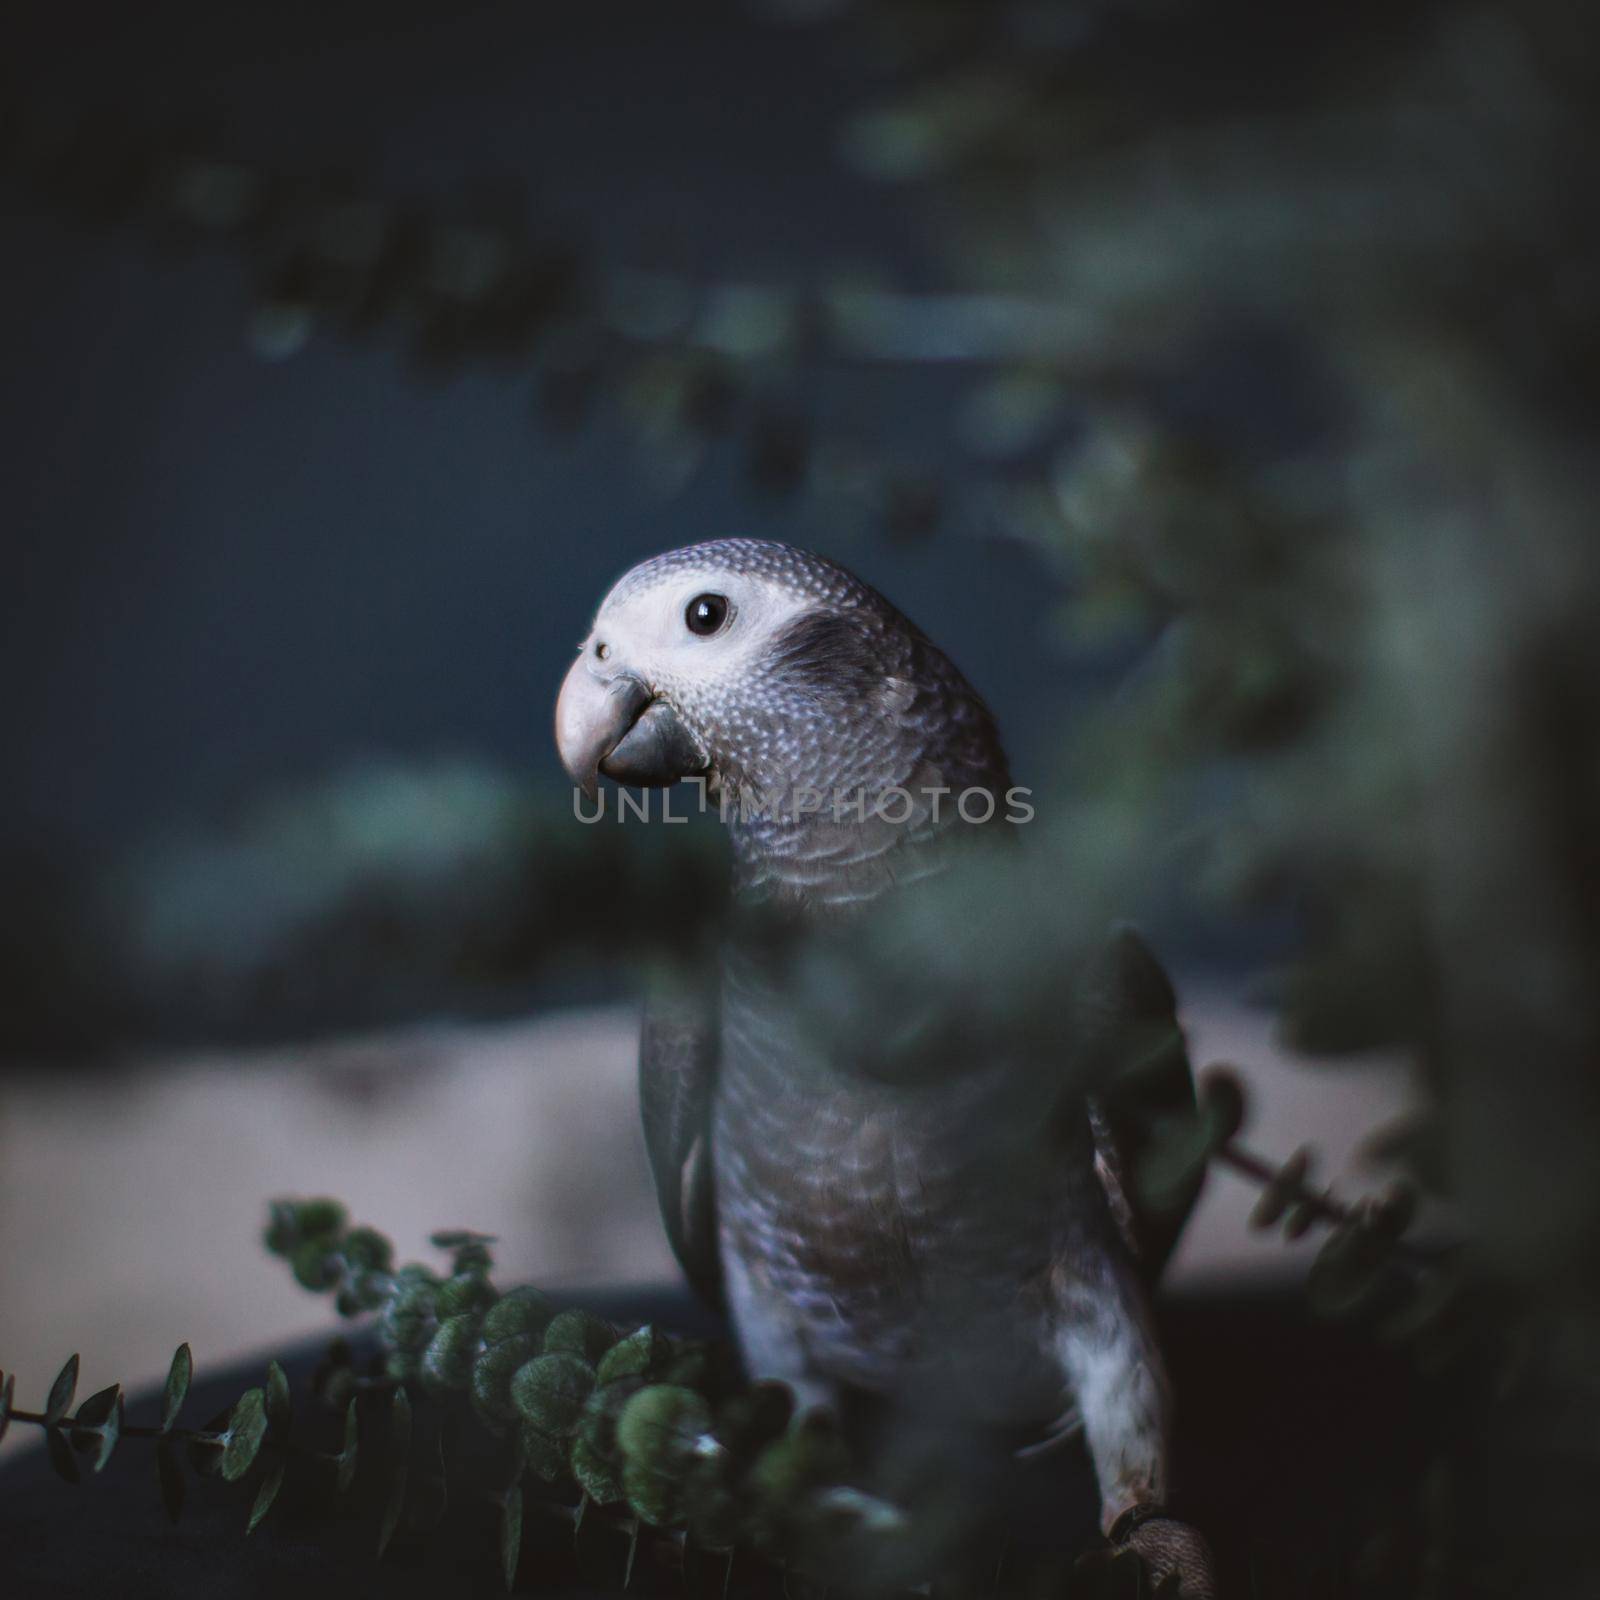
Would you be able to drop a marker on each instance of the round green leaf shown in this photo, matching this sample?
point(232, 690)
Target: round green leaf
point(596, 1476)
point(519, 1311)
point(406, 1322)
point(367, 1250)
point(579, 1333)
point(313, 1264)
point(447, 1362)
point(550, 1392)
point(807, 1457)
point(662, 1428)
point(319, 1217)
point(641, 1355)
point(464, 1292)
point(492, 1372)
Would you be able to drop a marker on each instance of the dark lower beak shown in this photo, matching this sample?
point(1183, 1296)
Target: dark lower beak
point(617, 726)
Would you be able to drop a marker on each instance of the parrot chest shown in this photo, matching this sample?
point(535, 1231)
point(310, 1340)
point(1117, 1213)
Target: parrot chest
point(888, 1227)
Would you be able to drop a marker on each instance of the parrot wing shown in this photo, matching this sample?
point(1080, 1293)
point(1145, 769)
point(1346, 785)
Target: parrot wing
point(678, 1049)
point(1128, 1013)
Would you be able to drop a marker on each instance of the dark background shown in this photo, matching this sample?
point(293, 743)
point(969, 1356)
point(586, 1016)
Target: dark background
point(228, 572)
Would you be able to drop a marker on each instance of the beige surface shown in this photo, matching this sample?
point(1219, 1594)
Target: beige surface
point(130, 1206)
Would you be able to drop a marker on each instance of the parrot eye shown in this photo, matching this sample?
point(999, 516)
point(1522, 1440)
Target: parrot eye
point(706, 613)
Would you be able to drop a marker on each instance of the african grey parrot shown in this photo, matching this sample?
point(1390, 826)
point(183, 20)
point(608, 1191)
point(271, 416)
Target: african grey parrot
point(869, 1233)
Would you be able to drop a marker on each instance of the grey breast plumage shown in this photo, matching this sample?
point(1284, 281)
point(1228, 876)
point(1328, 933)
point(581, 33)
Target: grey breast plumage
point(839, 1190)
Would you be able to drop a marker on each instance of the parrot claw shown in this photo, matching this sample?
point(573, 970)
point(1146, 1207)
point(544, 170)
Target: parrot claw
point(1171, 1550)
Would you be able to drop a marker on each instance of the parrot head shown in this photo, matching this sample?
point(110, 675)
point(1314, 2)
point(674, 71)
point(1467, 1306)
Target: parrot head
point(765, 669)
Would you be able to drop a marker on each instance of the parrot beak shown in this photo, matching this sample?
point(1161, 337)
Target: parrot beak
point(617, 726)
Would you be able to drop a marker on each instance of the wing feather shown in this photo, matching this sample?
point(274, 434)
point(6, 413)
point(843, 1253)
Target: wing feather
point(1128, 1011)
point(678, 1049)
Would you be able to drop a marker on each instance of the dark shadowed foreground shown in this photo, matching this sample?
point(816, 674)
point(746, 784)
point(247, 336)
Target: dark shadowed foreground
point(1261, 1382)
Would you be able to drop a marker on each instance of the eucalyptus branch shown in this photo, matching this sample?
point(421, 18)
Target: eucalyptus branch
point(230, 1445)
point(1366, 1266)
point(634, 1440)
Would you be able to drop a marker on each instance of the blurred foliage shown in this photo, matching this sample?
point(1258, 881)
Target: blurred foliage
point(1281, 327)
point(644, 1458)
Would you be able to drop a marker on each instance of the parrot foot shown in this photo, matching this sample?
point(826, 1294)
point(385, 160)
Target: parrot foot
point(1169, 1550)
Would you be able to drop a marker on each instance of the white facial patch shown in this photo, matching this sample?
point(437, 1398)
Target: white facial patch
point(646, 630)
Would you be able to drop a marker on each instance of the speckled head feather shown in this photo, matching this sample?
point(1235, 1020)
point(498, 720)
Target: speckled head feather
point(815, 683)
point(801, 572)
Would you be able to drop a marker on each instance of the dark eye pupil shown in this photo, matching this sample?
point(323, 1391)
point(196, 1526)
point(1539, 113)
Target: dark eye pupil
point(706, 613)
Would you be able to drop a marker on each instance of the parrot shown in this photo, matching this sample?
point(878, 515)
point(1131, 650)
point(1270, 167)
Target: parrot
point(871, 1231)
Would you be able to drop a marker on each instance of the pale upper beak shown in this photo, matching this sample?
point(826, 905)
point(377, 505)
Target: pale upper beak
point(615, 725)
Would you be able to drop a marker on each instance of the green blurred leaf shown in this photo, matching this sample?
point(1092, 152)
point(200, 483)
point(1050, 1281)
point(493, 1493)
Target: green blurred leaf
point(398, 1465)
point(600, 1548)
point(447, 1362)
point(522, 1310)
point(407, 1321)
point(368, 1250)
point(176, 1391)
point(61, 1455)
point(206, 1446)
point(345, 1471)
point(278, 1405)
point(1299, 1221)
point(313, 1264)
point(595, 1475)
point(511, 1534)
point(1012, 412)
point(706, 1571)
point(1282, 1191)
point(282, 1230)
point(662, 1427)
point(170, 1472)
point(545, 1457)
point(465, 1292)
point(579, 1333)
point(633, 1554)
point(810, 1455)
point(247, 1428)
point(1350, 1272)
point(1433, 1301)
point(1180, 1148)
point(492, 1373)
point(271, 1483)
point(460, 1239)
point(61, 1392)
point(427, 1511)
point(469, 1251)
point(549, 1392)
point(319, 1218)
point(98, 1425)
point(640, 1355)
